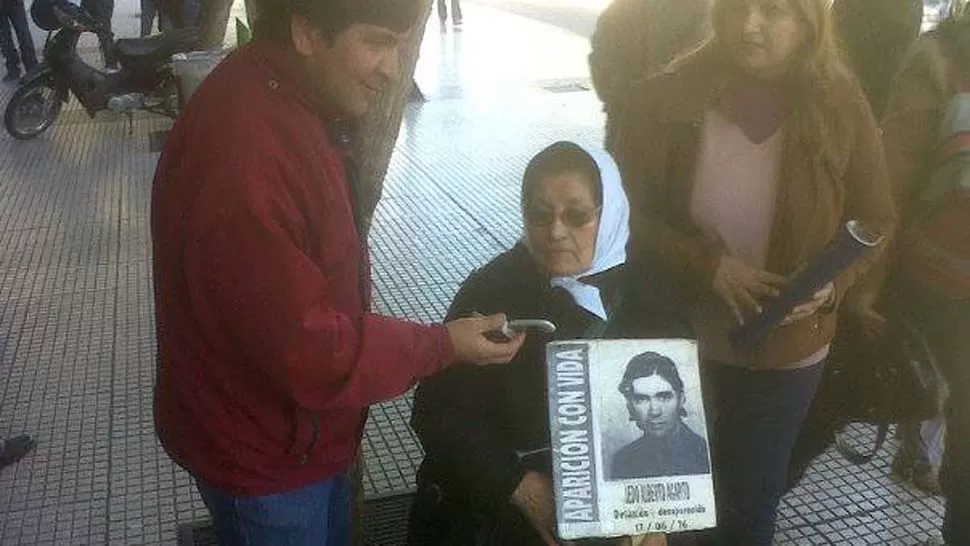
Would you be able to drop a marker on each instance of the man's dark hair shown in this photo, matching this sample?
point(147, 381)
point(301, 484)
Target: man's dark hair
point(647, 364)
point(335, 16)
point(560, 158)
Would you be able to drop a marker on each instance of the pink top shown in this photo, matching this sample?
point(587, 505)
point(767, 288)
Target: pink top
point(733, 201)
point(735, 188)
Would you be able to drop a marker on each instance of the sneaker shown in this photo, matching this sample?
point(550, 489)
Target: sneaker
point(12, 76)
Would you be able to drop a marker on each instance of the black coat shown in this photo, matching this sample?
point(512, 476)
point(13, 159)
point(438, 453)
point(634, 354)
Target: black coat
point(473, 420)
point(682, 452)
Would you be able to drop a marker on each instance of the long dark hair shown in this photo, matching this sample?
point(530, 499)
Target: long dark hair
point(334, 16)
point(648, 364)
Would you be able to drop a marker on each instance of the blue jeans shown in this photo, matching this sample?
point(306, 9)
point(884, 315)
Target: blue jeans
point(13, 16)
point(754, 418)
point(316, 515)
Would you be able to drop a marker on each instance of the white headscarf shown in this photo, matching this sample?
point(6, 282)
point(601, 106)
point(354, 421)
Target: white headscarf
point(611, 239)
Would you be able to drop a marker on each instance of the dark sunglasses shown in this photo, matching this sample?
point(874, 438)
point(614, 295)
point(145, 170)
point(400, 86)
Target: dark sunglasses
point(572, 217)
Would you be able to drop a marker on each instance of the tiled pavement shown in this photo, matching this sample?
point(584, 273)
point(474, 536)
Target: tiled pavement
point(76, 335)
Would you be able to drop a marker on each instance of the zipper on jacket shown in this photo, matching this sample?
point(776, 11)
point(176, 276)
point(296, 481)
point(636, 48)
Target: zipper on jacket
point(294, 440)
point(315, 422)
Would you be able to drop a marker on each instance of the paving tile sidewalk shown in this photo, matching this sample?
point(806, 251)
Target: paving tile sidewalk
point(76, 329)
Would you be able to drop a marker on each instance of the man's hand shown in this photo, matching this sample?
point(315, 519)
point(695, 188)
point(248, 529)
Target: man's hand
point(535, 499)
point(468, 339)
point(742, 286)
point(824, 297)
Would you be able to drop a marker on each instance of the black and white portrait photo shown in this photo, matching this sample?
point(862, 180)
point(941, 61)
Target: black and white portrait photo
point(629, 437)
point(652, 422)
point(654, 395)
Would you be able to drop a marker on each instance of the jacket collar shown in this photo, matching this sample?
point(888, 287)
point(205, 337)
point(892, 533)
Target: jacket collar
point(286, 74)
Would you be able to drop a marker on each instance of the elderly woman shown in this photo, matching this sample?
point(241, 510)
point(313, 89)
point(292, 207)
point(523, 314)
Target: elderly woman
point(486, 477)
point(742, 162)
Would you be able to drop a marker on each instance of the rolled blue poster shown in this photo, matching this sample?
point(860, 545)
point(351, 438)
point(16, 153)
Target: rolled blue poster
point(854, 242)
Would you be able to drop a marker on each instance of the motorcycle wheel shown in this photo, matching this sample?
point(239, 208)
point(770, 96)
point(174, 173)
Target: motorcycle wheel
point(32, 109)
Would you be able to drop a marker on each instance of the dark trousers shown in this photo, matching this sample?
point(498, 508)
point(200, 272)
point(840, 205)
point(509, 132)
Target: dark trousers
point(193, 12)
point(455, 10)
point(754, 418)
point(149, 11)
point(103, 11)
point(13, 16)
point(946, 324)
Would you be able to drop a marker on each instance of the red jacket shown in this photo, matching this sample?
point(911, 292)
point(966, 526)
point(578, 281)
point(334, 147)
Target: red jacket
point(267, 355)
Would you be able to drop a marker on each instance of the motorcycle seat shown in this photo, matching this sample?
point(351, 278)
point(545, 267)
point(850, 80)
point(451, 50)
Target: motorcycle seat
point(158, 45)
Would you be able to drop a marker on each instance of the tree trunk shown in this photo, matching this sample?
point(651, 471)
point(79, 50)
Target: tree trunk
point(253, 9)
point(377, 132)
point(375, 137)
point(213, 20)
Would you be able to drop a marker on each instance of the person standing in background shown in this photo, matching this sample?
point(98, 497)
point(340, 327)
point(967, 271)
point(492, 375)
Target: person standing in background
point(455, 12)
point(928, 89)
point(150, 9)
point(13, 16)
point(876, 35)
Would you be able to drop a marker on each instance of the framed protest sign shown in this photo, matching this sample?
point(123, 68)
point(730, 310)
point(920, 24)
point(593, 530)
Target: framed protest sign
point(629, 438)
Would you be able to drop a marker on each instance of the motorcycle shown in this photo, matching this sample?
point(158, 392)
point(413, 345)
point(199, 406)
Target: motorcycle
point(144, 80)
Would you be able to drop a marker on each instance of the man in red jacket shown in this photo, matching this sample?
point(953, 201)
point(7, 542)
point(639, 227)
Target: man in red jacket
point(267, 354)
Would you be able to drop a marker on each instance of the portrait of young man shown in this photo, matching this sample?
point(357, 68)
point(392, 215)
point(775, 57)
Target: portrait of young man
point(654, 394)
